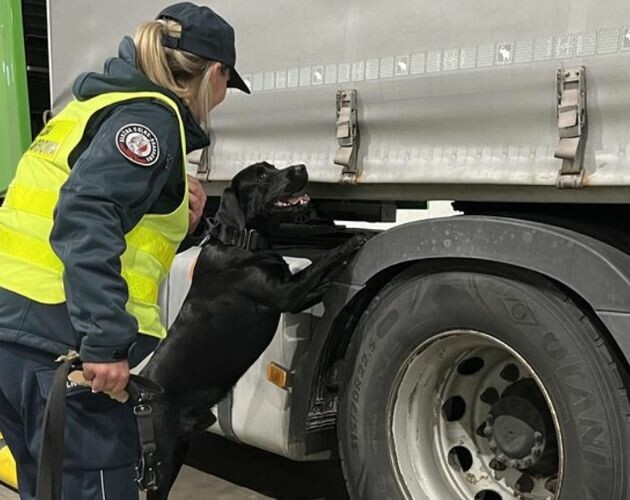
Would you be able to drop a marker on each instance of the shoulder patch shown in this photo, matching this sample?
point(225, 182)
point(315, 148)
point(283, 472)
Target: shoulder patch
point(138, 144)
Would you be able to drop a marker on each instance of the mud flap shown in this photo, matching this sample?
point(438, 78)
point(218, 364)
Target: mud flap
point(8, 473)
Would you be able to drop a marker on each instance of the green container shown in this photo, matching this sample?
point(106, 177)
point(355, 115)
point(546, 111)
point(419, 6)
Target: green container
point(15, 128)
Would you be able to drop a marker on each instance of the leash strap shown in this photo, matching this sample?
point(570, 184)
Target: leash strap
point(50, 469)
point(144, 393)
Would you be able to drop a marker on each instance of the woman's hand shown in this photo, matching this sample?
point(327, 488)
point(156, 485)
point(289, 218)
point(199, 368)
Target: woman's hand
point(196, 203)
point(107, 377)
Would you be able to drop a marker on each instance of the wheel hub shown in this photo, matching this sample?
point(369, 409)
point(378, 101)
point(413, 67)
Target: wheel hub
point(514, 429)
point(518, 425)
point(493, 437)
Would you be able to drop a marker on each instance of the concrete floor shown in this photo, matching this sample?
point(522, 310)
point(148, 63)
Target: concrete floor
point(191, 485)
point(221, 470)
point(6, 494)
point(192, 482)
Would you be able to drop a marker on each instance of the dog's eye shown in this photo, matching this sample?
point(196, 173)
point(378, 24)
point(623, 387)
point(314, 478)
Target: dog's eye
point(263, 176)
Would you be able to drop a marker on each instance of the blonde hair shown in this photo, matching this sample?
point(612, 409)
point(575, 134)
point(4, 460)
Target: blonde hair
point(183, 73)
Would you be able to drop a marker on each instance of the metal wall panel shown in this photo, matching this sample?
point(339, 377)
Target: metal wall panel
point(451, 93)
point(15, 133)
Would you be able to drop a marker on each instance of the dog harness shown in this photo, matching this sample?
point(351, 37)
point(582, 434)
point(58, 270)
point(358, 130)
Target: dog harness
point(29, 265)
point(247, 239)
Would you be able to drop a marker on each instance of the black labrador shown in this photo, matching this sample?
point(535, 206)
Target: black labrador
point(239, 289)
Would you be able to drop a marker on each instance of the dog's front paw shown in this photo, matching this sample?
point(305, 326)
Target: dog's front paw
point(355, 243)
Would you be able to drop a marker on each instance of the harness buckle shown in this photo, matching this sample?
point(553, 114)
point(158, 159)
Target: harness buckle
point(148, 472)
point(248, 238)
point(245, 237)
point(142, 410)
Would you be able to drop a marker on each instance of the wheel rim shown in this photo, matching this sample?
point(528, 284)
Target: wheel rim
point(471, 420)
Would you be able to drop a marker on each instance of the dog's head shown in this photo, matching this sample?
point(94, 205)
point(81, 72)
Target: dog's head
point(260, 191)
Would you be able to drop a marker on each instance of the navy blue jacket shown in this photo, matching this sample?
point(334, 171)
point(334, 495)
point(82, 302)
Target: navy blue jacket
point(105, 196)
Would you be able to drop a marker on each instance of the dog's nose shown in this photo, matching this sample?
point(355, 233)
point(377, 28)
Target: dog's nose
point(300, 169)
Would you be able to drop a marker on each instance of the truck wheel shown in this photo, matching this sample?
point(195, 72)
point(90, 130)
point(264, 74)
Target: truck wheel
point(473, 386)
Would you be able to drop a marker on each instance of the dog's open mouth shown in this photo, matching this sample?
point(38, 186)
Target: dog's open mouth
point(293, 201)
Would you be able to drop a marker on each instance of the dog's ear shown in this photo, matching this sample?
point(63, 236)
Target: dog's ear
point(229, 212)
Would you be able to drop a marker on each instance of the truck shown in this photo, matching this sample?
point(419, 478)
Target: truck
point(478, 356)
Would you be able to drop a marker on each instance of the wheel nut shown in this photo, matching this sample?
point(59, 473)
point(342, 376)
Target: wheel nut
point(481, 430)
point(496, 465)
point(551, 484)
point(525, 484)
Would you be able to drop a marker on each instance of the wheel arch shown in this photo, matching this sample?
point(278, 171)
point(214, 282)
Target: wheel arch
point(594, 274)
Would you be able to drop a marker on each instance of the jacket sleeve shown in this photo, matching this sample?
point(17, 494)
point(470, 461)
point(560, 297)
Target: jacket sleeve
point(104, 197)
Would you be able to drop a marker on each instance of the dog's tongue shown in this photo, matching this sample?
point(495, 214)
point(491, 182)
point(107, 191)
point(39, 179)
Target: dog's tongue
point(298, 200)
point(293, 201)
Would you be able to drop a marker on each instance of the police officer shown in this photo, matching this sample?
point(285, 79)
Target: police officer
point(98, 208)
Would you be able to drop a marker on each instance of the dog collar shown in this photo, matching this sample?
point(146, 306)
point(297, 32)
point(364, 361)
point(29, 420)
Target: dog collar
point(247, 239)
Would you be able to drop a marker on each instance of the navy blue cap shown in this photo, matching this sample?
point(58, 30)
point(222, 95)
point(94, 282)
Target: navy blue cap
point(206, 34)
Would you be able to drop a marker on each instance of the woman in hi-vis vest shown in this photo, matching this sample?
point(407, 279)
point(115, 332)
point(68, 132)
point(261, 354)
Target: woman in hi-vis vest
point(98, 208)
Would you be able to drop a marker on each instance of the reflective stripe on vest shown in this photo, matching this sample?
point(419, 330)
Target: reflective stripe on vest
point(30, 266)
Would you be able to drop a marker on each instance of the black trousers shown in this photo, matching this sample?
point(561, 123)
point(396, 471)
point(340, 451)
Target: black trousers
point(100, 440)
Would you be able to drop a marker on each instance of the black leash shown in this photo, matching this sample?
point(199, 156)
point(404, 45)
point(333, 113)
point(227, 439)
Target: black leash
point(143, 392)
point(50, 469)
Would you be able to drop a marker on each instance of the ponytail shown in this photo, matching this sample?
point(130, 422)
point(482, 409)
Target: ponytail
point(152, 57)
point(183, 73)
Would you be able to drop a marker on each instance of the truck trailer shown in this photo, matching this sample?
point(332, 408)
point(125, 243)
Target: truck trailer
point(480, 356)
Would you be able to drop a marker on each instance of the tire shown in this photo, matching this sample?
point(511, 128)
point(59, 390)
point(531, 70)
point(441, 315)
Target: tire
point(428, 328)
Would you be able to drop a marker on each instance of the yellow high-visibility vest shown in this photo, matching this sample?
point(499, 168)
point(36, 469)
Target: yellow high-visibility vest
point(29, 265)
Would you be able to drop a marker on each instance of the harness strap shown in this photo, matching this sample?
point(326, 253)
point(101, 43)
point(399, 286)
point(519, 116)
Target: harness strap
point(247, 239)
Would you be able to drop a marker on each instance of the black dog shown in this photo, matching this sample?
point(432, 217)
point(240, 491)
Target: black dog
point(230, 315)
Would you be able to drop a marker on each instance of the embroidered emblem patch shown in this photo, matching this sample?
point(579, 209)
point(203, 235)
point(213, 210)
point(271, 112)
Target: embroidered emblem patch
point(138, 144)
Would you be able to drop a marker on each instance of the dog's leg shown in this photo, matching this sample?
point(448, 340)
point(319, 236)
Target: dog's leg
point(303, 288)
point(311, 298)
point(156, 495)
point(334, 257)
point(160, 494)
point(165, 428)
point(295, 292)
point(172, 461)
point(178, 457)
